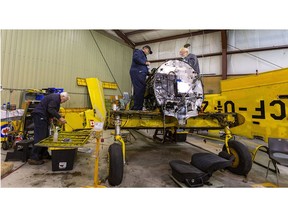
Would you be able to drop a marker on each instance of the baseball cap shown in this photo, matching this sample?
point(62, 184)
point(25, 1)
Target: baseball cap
point(148, 47)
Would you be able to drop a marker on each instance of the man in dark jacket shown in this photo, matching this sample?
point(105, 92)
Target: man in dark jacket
point(190, 58)
point(46, 109)
point(138, 73)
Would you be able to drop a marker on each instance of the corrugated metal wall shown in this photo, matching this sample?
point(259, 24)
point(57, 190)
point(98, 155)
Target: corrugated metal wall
point(237, 64)
point(262, 61)
point(35, 59)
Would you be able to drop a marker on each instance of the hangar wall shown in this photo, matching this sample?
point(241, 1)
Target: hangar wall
point(237, 64)
point(35, 59)
point(249, 39)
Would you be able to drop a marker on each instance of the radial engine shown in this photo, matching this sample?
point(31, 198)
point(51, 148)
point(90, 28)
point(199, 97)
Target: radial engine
point(176, 89)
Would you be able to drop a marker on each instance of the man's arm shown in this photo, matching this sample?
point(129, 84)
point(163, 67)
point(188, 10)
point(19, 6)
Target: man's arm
point(194, 63)
point(52, 109)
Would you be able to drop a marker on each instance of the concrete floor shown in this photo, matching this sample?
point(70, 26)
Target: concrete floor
point(147, 166)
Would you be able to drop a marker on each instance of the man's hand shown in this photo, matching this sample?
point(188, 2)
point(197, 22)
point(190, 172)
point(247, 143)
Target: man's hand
point(147, 63)
point(62, 121)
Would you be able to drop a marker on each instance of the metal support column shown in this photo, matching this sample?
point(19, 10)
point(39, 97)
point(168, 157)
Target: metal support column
point(224, 54)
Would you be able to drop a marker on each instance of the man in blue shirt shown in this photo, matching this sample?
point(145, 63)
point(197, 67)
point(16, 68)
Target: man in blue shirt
point(138, 73)
point(48, 108)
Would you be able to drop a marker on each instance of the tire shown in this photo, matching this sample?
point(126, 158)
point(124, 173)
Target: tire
point(116, 164)
point(5, 145)
point(242, 163)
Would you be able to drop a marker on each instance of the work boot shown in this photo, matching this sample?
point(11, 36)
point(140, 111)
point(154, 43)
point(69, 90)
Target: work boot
point(35, 162)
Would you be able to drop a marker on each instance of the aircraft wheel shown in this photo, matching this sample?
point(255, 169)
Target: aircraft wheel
point(116, 164)
point(242, 163)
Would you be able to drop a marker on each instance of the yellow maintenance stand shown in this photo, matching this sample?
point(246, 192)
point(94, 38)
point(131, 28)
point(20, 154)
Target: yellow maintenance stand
point(166, 127)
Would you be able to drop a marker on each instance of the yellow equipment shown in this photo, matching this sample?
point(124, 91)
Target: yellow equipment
point(80, 118)
point(66, 140)
point(168, 126)
point(252, 106)
point(262, 100)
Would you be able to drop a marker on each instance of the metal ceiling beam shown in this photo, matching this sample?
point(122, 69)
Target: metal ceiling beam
point(198, 56)
point(229, 52)
point(138, 32)
point(257, 49)
point(176, 37)
point(125, 38)
point(224, 54)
